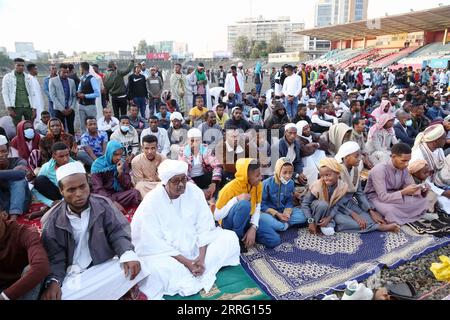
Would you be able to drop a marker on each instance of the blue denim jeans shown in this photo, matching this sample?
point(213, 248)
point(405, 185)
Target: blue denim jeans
point(141, 103)
point(238, 220)
point(50, 109)
point(271, 226)
point(153, 105)
point(16, 198)
point(291, 108)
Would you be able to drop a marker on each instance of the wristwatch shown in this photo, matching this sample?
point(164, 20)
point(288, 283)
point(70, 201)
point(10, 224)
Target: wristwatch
point(254, 226)
point(311, 221)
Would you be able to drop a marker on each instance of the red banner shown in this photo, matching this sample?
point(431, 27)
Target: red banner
point(158, 56)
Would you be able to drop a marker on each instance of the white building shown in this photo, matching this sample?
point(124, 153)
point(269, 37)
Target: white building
point(331, 12)
point(261, 29)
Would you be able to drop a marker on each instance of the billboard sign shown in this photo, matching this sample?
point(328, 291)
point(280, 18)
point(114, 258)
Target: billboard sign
point(158, 56)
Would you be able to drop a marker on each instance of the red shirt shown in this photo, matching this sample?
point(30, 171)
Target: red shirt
point(236, 84)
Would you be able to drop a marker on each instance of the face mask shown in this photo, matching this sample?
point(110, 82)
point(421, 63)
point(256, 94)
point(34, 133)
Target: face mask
point(256, 118)
point(124, 129)
point(284, 181)
point(29, 133)
point(409, 123)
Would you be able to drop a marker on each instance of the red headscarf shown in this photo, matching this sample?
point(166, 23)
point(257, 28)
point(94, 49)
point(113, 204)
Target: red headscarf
point(20, 142)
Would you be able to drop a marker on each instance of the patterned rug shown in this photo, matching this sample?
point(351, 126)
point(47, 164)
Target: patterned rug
point(306, 266)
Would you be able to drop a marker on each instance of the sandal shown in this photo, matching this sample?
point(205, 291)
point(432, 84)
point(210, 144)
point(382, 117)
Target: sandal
point(402, 291)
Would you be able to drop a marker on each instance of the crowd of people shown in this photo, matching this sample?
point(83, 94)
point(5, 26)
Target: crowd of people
point(212, 171)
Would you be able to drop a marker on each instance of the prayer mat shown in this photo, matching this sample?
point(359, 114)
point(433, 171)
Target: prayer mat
point(305, 266)
point(232, 283)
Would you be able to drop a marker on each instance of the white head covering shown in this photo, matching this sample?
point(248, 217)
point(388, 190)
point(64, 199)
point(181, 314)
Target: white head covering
point(346, 149)
point(312, 101)
point(194, 133)
point(171, 168)
point(69, 169)
point(176, 116)
point(3, 140)
point(240, 64)
point(300, 125)
point(290, 126)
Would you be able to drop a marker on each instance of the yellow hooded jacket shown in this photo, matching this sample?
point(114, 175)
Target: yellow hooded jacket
point(239, 186)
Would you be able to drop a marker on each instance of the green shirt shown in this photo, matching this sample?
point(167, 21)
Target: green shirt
point(21, 91)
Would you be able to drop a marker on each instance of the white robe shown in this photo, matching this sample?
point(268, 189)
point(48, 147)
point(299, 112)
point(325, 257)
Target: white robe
point(163, 229)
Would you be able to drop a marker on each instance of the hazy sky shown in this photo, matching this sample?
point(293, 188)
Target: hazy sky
point(92, 25)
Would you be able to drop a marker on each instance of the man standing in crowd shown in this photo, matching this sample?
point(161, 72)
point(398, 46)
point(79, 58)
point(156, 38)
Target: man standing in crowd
point(115, 86)
point(155, 88)
point(53, 73)
point(19, 93)
point(63, 95)
point(88, 91)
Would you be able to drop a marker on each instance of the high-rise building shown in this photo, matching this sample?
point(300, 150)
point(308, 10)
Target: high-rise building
point(330, 12)
point(22, 47)
point(261, 29)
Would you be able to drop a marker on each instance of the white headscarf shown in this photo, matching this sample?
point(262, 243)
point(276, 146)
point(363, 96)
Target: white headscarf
point(300, 126)
point(171, 168)
point(289, 126)
point(346, 149)
point(194, 133)
point(176, 116)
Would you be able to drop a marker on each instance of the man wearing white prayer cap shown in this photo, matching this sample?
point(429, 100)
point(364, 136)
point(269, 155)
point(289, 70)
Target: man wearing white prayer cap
point(177, 133)
point(82, 235)
point(312, 103)
point(15, 196)
point(429, 146)
point(176, 237)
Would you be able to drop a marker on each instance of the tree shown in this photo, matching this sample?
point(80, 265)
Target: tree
point(5, 61)
point(151, 49)
point(259, 50)
point(142, 47)
point(242, 47)
point(276, 44)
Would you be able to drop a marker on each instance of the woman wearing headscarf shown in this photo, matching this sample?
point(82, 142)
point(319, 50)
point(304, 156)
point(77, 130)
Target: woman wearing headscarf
point(203, 167)
point(55, 134)
point(336, 136)
point(255, 118)
point(26, 144)
point(111, 178)
point(258, 78)
point(381, 138)
point(356, 214)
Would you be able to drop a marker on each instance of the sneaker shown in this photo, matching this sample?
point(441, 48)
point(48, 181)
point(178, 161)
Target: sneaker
point(357, 291)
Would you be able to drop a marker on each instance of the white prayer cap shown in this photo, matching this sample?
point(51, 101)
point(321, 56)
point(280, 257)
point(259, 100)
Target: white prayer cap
point(436, 93)
point(312, 101)
point(240, 64)
point(3, 140)
point(194, 133)
point(176, 116)
point(346, 149)
point(171, 168)
point(290, 126)
point(401, 96)
point(69, 169)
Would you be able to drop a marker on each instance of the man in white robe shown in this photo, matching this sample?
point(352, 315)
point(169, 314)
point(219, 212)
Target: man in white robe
point(88, 243)
point(176, 239)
